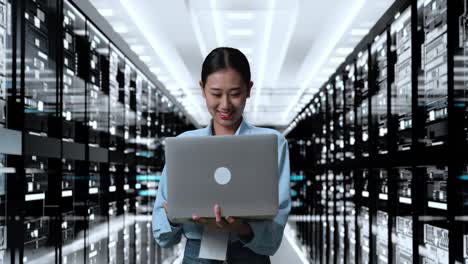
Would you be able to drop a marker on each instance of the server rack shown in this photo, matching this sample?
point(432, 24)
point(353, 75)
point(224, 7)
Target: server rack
point(404, 135)
point(81, 131)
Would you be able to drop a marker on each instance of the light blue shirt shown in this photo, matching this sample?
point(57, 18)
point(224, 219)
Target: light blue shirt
point(267, 234)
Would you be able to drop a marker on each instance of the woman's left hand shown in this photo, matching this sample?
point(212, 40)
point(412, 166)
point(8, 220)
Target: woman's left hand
point(229, 223)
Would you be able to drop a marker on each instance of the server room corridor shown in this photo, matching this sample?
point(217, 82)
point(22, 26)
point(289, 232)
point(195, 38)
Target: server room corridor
point(371, 97)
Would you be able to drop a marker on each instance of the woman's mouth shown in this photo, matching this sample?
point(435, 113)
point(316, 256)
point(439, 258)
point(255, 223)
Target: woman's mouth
point(225, 116)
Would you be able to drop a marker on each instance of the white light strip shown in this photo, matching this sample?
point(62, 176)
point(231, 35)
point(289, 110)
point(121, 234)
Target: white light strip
point(7, 170)
point(405, 200)
point(164, 51)
point(264, 54)
point(93, 190)
point(67, 193)
point(197, 29)
point(34, 197)
point(240, 15)
point(216, 23)
point(437, 205)
point(311, 74)
point(365, 194)
point(241, 32)
point(383, 196)
point(93, 254)
point(112, 188)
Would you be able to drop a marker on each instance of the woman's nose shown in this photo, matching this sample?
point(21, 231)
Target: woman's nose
point(225, 103)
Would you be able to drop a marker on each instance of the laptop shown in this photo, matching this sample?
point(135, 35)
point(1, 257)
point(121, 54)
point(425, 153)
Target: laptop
point(240, 173)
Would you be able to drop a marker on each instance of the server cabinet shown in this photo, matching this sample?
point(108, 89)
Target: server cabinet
point(324, 117)
point(10, 139)
point(434, 231)
point(404, 176)
point(41, 154)
point(432, 19)
point(74, 139)
point(383, 217)
point(116, 153)
point(350, 217)
point(459, 238)
point(339, 119)
point(403, 220)
point(362, 103)
point(330, 120)
point(350, 113)
point(379, 93)
point(364, 217)
point(331, 216)
point(339, 225)
point(67, 140)
point(401, 92)
point(96, 50)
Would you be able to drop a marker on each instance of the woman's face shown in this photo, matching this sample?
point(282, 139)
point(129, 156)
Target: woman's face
point(225, 93)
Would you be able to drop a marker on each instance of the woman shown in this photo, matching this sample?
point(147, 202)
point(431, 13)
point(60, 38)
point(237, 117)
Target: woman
point(226, 85)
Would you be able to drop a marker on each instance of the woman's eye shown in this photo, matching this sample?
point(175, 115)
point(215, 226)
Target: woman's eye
point(216, 95)
point(235, 94)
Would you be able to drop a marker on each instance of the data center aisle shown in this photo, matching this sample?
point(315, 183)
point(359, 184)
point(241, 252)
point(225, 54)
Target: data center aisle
point(290, 250)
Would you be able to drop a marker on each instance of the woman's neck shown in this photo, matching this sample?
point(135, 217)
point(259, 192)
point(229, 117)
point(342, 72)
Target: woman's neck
point(219, 130)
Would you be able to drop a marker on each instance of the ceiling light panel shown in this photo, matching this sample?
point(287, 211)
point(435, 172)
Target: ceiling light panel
point(236, 16)
point(240, 32)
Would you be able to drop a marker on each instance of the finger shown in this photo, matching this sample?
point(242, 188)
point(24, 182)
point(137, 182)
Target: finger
point(217, 211)
point(231, 220)
point(198, 219)
point(165, 206)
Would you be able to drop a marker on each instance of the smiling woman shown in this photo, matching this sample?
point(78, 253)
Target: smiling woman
point(226, 85)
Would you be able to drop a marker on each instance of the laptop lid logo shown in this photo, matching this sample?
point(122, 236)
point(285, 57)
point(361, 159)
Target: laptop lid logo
point(222, 176)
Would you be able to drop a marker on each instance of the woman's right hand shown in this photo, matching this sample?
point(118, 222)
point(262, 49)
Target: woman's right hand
point(165, 207)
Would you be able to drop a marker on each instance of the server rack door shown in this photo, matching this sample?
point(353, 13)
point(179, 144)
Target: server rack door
point(116, 150)
point(350, 217)
point(434, 93)
point(362, 95)
point(350, 113)
point(11, 165)
point(73, 140)
point(364, 217)
point(401, 91)
point(403, 221)
point(382, 217)
point(340, 232)
point(458, 184)
point(379, 102)
point(97, 114)
point(434, 229)
point(42, 145)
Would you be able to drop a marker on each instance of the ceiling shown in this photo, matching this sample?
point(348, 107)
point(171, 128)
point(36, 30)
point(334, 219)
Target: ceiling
point(293, 46)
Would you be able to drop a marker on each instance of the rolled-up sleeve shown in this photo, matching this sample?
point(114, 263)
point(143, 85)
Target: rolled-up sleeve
point(165, 234)
point(267, 234)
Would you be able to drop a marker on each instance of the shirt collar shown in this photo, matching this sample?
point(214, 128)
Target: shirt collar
point(241, 130)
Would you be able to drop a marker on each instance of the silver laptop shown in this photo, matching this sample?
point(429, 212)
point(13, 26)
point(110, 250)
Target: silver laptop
point(240, 173)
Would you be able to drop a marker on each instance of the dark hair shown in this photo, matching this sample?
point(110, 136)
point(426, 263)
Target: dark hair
point(222, 58)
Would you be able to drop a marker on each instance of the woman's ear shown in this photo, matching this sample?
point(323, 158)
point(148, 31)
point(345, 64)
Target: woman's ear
point(249, 88)
point(202, 88)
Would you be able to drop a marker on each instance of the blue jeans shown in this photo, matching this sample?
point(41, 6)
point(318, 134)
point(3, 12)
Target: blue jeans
point(236, 254)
